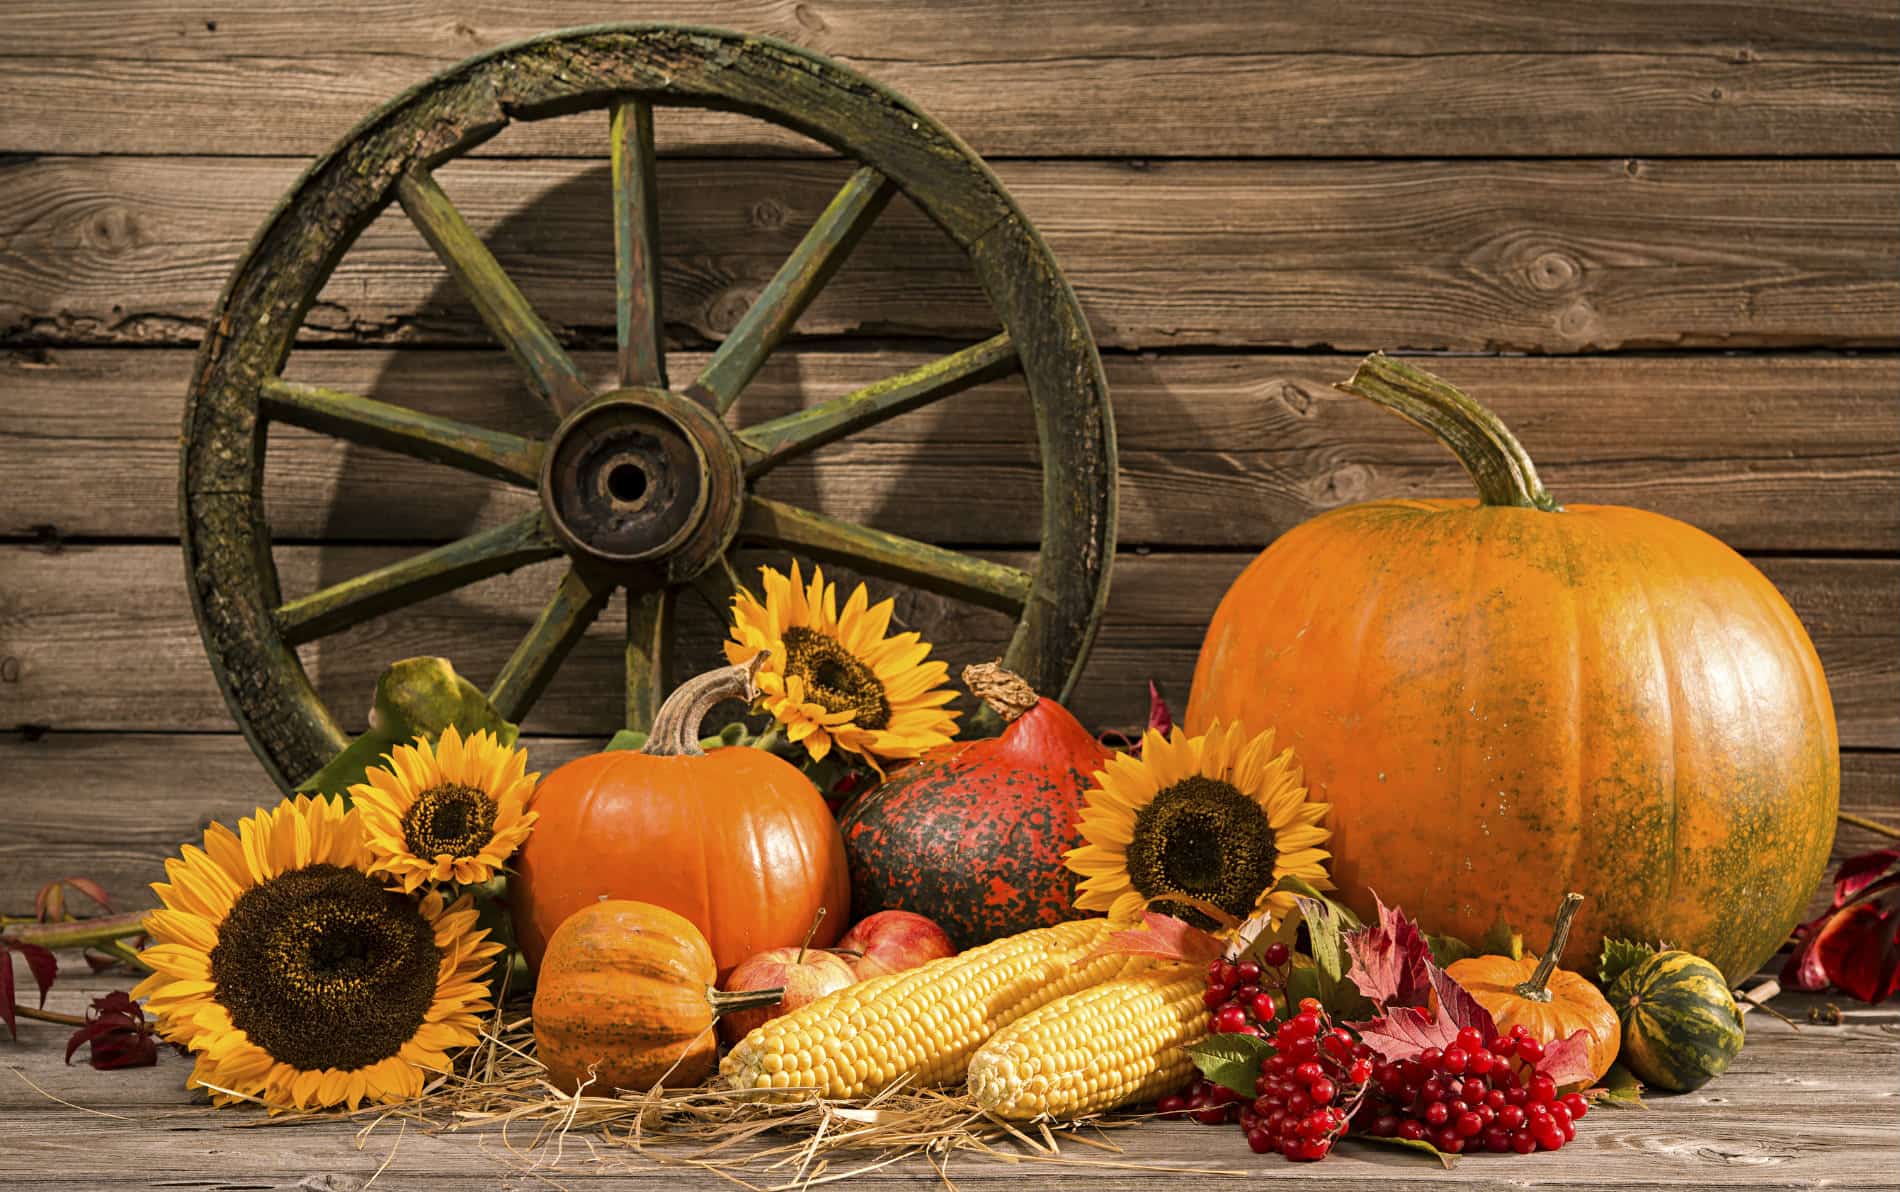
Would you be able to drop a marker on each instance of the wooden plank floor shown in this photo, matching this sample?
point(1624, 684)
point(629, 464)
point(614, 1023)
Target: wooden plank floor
point(1813, 1107)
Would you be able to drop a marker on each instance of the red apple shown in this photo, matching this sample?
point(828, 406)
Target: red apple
point(806, 974)
point(892, 941)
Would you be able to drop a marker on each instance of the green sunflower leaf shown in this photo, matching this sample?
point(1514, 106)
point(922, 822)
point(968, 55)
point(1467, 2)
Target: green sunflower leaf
point(1500, 939)
point(1619, 956)
point(417, 697)
point(1410, 1144)
point(1448, 950)
point(1231, 1060)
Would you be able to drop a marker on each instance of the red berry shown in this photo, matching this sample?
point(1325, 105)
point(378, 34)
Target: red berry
point(1311, 1005)
point(1522, 1142)
point(1213, 996)
point(1277, 955)
point(1222, 1095)
point(1170, 1106)
point(1199, 1098)
point(1305, 1024)
point(1538, 1111)
point(1308, 1072)
point(1480, 1062)
point(1503, 1045)
point(1543, 1088)
point(1277, 1063)
point(1485, 1113)
point(1411, 1129)
point(1432, 1090)
point(1316, 1124)
point(1504, 1077)
point(1517, 1096)
point(1430, 1057)
point(1259, 1141)
point(1301, 1050)
point(1227, 974)
point(1360, 1072)
point(1495, 1098)
point(1446, 1138)
point(1511, 1117)
point(1468, 1124)
point(1322, 1091)
point(1529, 1050)
point(1213, 1115)
point(1558, 1113)
point(1298, 1104)
point(1576, 1104)
point(1436, 1113)
point(1520, 1031)
point(1213, 972)
point(1248, 971)
point(1230, 1019)
point(1263, 1007)
point(1569, 1129)
point(1472, 1091)
point(1312, 1150)
point(1549, 1135)
point(1385, 1125)
point(1452, 1061)
point(1497, 1139)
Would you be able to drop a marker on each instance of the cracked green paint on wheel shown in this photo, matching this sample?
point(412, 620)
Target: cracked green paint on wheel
point(627, 72)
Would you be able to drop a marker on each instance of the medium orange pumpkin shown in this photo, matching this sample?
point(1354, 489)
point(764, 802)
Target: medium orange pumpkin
point(1551, 1003)
point(1504, 700)
point(736, 840)
point(626, 999)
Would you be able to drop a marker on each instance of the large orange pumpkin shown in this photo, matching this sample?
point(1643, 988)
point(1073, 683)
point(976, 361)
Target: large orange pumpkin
point(736, 840)
point(1504, 700)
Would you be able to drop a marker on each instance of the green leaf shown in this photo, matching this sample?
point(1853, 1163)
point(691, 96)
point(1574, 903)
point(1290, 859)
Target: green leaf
point(1501, 940)
point(417, 697)
point(1619, 956)
point(1326, 924)
point(1620, 1087)
point(626, 738)
point(1410, 1144)
point(633, 739)
point(1448, 950)
point(1231, 1060)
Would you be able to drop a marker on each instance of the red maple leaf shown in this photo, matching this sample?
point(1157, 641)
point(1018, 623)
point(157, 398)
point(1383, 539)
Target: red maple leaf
point(39, 962)
point(119, 1035)
point(1567, 1061)
point(1390, 959)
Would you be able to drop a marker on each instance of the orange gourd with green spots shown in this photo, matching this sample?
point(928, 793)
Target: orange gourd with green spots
point(1504, 700)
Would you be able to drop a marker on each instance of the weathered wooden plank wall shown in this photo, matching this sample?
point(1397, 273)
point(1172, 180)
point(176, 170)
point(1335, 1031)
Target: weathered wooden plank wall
point(1661, 239)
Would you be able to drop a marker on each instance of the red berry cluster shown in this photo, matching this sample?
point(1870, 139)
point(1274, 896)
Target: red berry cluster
point(1473, 1095)
point(1309, 1088)
point(1245, 998)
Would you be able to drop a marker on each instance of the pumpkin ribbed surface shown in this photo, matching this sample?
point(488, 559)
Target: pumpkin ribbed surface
point(1681, 1026)
point(1575, 1004)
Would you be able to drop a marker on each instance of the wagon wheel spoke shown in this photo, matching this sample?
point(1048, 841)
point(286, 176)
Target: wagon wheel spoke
point(637, 247)
point(770, 444)
point(890, 556)
point(525, 675)
point(501, 304)
point(413, 580)
point(650, 617)
point(792, 288)
point(422, 436)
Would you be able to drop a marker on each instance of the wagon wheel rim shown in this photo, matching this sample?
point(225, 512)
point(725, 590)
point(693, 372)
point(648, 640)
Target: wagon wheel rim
point(615, 500)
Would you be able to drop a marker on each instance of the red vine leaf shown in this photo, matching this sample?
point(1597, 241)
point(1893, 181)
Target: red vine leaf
point(1160, 719)
point(1567, 1061)
point(1163, 937)
point(49, 904)
point(1408, 1030)
point(39, 962)
point(1390, 959)
point(119, 1035)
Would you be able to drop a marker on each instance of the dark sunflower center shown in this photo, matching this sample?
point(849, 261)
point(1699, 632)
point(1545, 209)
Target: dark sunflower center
point(1202, 837)
point(323, 968)
point(457, 820)
point(836, 678)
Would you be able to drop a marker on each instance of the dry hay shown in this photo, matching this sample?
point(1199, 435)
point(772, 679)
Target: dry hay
point(500, 1093)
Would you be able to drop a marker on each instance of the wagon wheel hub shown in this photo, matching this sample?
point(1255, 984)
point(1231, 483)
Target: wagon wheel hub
point(644, 486)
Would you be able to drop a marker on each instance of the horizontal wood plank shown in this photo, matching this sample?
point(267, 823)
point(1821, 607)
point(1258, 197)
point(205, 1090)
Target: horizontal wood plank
point(145, 793)
point(73, 1128)
point(1767, 453)
point(1557, 256)
point(1808, 458)
point(103, 638)
point(1213, 79)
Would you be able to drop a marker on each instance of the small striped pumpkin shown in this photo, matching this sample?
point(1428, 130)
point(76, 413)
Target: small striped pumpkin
point(1681, 1026)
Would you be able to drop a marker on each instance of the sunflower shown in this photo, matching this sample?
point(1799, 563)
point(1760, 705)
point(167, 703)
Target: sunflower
point(837, 679)
point(455, 811)
point(1218, 817)
point(296, 979)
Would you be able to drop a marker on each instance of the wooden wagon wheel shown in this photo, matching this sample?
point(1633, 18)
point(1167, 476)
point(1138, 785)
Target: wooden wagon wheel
point(643, 486)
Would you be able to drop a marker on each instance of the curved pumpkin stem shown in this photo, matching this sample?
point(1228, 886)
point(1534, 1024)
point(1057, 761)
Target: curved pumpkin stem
point(1491, 454)
point(724, 1002)
point(676, 725)
point(1536, 989)
point(1007, 693)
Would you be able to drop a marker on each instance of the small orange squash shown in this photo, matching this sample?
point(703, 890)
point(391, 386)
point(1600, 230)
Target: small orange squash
point(736, 840)
point(1549, 1002)
point(626, 1000)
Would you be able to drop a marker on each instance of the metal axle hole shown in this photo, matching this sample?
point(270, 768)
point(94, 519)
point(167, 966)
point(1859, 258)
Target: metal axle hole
point(627, 482)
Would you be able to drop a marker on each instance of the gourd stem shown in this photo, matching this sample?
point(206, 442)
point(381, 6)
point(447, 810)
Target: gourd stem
point(724, 1002)
point(1007, 693)
point(676, 725)
point(809, 933)
point(1536, 989)
point(1491, 454)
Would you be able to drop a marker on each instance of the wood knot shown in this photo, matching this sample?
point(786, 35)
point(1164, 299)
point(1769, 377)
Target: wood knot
point(1345, 485)
point(768, 214)
point(1555, 270)
point(809, 17)
point(1296, 398)
point(725, 311)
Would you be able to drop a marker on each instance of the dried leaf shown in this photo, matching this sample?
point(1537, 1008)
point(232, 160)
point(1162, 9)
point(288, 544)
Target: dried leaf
point(49, 904)
point(39, 962)
point(1410, 1144)
point(1619, 1087)
point(1390, 959)
point(1859, 950)
point(1859, 872)
point(1163, 937)
point(1160, 720)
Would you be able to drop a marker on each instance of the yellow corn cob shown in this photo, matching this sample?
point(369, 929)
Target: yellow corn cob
point(1111, 1044)
point(923, 1024)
